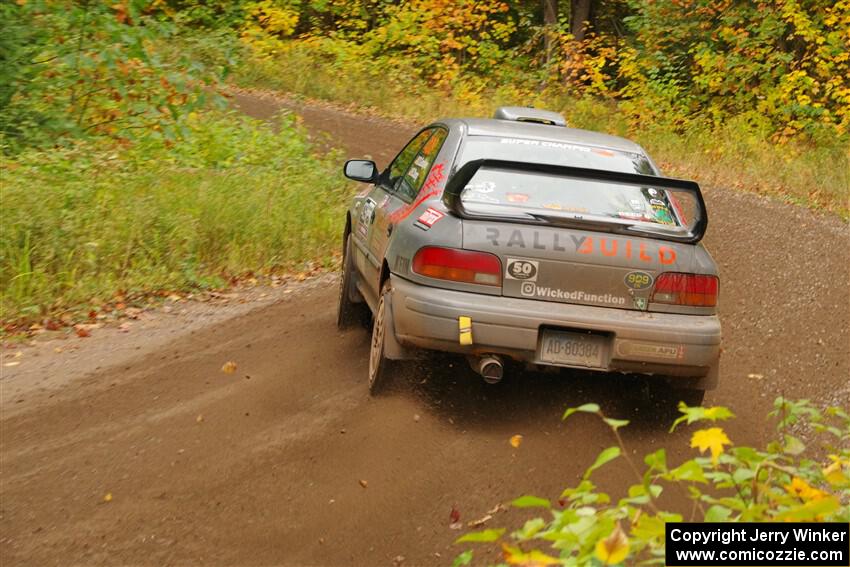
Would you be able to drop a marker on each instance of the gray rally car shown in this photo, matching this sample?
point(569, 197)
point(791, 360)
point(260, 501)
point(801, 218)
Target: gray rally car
point(520, 238)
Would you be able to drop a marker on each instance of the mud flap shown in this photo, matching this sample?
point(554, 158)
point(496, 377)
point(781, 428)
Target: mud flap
point(710, 380)
point(393, 350)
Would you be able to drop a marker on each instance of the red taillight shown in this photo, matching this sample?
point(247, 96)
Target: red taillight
point(458, 265)
point(685, 289)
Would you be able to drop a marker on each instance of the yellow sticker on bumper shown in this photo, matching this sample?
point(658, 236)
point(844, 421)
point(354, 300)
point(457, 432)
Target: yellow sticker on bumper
point(465, 330)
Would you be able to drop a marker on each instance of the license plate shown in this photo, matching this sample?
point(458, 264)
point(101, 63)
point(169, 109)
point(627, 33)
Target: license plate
point(573, 349)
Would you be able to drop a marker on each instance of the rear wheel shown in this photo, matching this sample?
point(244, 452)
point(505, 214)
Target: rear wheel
point(349, 312)
point(380, 367)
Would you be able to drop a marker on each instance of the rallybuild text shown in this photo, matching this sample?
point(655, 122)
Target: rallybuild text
point(762, 544)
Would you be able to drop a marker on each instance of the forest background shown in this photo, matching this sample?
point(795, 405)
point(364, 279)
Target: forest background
point(124, 172)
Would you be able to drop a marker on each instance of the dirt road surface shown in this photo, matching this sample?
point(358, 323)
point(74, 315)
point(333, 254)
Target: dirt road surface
point(136, 449)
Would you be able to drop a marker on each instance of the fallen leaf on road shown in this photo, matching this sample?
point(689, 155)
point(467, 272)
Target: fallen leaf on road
point(479, 522)
point(497, 508)
point(229, 367)
point(454, 516)
point(199, 419)
point(13, 363)
point(398, 560)
point(107, 497)
point(83, 333)
point(364, 484)
point(456, 526)
point(755, 376)
point(515, 441)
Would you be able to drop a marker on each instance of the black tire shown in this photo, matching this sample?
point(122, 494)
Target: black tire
point(380, 367)
point(348, 312)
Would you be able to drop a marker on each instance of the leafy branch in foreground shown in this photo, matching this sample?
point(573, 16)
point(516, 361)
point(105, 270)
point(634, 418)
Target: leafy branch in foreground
point(785, 481)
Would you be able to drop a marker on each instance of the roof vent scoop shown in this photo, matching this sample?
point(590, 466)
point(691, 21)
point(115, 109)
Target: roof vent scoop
point(529, 114)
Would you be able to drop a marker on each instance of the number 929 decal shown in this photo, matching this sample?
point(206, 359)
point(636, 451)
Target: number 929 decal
point(638, 280)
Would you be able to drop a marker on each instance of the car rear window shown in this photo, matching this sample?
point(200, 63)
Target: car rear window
point(554, 153)
point(495, 191)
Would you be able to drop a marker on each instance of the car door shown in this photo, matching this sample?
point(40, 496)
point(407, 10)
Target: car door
point(380, 203)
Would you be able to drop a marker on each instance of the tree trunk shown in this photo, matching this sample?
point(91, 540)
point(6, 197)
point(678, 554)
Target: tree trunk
point(550, 22)
point(580, 13)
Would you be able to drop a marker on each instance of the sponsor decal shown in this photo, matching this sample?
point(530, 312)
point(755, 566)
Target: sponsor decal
point(531, 289)
point(601, 152)
point(565, 208)
point(662, 214)
point(545, 144)
point(421, 162)
point(638, 280)
point(516, 197)
point(366, 216)
point(670, 352)
point(525, 270)
point(413, 174)
point(636, 204)
point(430, 189)
point(586, 245)
point(634, 216)
point(640, 303)
point(429, 218)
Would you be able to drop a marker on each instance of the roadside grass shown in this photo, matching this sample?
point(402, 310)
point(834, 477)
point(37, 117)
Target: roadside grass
point(234, 197)
point(734, 154)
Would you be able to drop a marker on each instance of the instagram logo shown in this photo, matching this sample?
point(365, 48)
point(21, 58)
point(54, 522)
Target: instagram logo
point(528, 289)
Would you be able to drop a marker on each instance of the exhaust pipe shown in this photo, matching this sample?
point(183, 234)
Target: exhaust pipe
point(490, 368)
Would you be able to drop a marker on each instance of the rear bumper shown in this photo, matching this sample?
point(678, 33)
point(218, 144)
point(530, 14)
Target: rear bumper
point(640, 342)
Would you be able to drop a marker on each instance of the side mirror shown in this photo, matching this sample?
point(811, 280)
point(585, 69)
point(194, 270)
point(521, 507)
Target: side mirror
point(361, 170)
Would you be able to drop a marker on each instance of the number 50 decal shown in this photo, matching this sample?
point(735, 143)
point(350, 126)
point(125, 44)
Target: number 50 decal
point(521, 270)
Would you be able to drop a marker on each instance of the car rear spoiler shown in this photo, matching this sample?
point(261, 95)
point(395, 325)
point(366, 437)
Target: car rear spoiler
point(460, 178)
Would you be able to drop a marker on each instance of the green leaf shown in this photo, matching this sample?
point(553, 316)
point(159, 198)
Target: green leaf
point(464, 558)
point(585, 408)
point(743, 475)
point(717, 513)
point(483, 536)
point(694, 414)
point(615, 424)
point(531, 502)
point(605, 456)
point(793, 445)
point(689, 471)
point(810, 511)
point(657, 461)
point(530, 529)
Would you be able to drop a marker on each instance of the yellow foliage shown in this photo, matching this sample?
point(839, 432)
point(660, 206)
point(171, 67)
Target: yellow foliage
point(614, 548)
point(712, 439)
